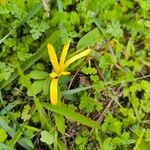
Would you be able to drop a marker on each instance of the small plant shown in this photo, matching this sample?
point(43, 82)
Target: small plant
point(59, 68)
point(102, 102)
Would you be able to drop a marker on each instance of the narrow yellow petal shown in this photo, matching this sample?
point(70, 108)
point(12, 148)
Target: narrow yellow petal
point(53, 57)
point(64, 53)
point(76, 57)
point(54, 91)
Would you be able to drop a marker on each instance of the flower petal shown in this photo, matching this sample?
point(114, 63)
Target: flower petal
point(53, 57)
point(54, 91)
point(64, 53)
point(78, 56)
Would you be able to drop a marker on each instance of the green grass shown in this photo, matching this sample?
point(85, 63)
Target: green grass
point(104, 103)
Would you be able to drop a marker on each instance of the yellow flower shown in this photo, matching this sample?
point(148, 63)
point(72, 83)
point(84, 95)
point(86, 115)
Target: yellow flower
point(59, 68)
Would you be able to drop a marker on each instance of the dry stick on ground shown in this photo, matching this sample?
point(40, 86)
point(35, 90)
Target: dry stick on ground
point(143, 123)
point(45, 6)
point(98, 70)
point(108, 89)
point(113, 98)
point(73, 79)
point(104, 112)
point(110, 102)
point(111, 94)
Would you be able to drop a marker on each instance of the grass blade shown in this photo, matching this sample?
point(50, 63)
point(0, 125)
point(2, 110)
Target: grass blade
point(72, 115)
point(29, 62)
point(77, 90)
point(113, 83)
point(24, 142)
point(33, 12)
point(10, 107)
point(87, 41)
point(6, 147)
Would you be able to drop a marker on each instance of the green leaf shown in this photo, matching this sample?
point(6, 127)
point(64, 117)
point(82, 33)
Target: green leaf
point(111, 144)
point(89, 70)
point(26, 113)
point(111, 125)
point(74, 18)
point(89, 104)
point(15, 138)
point(146, 105)
point(61, 145)
point(60, 122)
point(37, 86)
point(106, 61)
point(114, 29)
point(144, 5)
point(147, 135)
point(24, 142)
point(36, 74)
point(25, 81)
point(47, 138)
point(107, 144)
point(10, 107)
point(29, 62)
point(34, 11)
point(89, 39)
point(147, 23)
point(77, 90)
point(139, 143)
point(5, 147)
point(46, 86)
point(3, 135)
point(130, 49)
point(72, 115)
point(6, 70)
point(143, 146)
